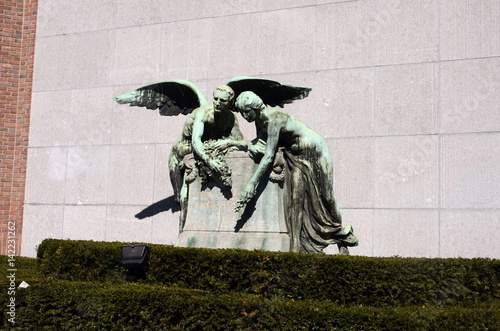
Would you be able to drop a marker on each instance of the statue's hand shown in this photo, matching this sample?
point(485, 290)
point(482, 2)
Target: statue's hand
point(248, 193)
point(256, 151)
point(239, 204)
point(221, 144)
point(252, 151)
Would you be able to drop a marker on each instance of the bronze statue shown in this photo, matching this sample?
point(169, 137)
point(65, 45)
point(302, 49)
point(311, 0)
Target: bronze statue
point(313, 214)
point(300, 157)
point(210, 131)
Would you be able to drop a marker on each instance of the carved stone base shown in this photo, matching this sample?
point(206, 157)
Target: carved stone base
point(212, 223)
point(250, 241)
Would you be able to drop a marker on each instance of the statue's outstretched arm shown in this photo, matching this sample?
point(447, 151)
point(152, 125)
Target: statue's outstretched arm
point(198, 129)
point(265, 163)
point(196, 140)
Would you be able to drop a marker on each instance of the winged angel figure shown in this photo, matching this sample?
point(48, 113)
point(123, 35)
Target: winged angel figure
point(210, 130)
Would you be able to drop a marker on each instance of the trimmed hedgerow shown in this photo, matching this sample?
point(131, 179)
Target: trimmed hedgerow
point(338, 279)
point(81, 260)
point(343, 280)
point(26, 269)
point(65, 305)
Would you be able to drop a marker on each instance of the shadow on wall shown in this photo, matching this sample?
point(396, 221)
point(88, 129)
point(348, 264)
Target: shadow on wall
point(159, 207)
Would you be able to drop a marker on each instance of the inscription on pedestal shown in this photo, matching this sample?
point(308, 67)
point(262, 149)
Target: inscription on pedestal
point(212, 202)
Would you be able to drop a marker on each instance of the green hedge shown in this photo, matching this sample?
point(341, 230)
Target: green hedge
point(27, 269)
point(65, 305)
point(81, 260)
point(343, 280)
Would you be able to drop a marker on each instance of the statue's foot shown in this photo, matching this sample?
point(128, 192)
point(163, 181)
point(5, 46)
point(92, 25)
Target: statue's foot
point(343, 250)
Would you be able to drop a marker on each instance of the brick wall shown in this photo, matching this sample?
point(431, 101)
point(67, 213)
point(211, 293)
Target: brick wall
point(17, 45)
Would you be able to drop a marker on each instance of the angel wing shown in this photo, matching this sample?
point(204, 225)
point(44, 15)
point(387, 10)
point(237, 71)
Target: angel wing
point(172, 97)
point(273, 93)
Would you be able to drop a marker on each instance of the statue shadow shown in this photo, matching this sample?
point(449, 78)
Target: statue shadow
point(251, 206)
point(159, 207)
point(224, 190)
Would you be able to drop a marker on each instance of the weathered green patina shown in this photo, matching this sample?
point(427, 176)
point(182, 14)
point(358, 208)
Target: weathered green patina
point(299, 157)
point(313, 214)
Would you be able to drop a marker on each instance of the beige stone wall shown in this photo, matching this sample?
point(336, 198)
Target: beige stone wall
point(406, 93)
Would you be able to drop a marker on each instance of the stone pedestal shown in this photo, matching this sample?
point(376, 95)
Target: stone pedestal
point(212, 223)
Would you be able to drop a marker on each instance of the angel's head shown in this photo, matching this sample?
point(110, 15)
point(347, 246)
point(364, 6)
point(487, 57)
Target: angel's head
point(249, 105)
point(223, 98)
